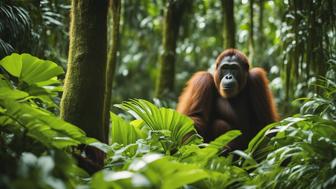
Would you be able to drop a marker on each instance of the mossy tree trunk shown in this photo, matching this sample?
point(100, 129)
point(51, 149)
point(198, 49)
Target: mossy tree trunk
point(172, 21)
point(261, 38)
point(260, 46)
point(251, 33)
point(115, 8)
point(229, 30)
point(83, 98)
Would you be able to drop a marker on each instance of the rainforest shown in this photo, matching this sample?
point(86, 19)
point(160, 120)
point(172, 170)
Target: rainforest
point(167, 94)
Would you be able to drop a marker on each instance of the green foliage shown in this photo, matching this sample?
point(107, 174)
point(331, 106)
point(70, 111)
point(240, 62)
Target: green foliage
point(302, 156)
point(191, 164)
point(15, 26)
point(33, 140)
point(324, 103)
point(177, 129)
point(30, 69)
point(41, 125)
point(202, 155)
point(31, 76)
point(53, 169)
point(186, 160)
point(308, 35)
point(151, 171)
point(36, 27)
point(123, 132)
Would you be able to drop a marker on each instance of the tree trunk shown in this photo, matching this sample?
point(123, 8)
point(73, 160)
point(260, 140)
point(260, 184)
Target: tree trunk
point(251, 33)
point(171, 25)
point(83, 99)
point(260, 46)
point(115, 7)
point(261, 24)
point(229, 30)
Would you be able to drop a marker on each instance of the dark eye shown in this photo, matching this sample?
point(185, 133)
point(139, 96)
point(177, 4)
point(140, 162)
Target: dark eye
point(234, 71)
point(235, 68)
point(224, 71)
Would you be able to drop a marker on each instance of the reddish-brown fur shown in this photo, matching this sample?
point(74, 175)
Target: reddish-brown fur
point(249, 111)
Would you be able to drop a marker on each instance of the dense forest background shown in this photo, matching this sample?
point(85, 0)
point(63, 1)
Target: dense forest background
point(292, 40)
point(117, 50)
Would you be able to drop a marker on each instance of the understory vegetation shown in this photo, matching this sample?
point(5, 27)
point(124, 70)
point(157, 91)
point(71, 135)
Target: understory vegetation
point(152, 146)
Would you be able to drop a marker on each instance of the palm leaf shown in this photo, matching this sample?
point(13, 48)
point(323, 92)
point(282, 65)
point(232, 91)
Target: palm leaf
point(161, 119)
point(15, 29)
point(123, 132)
point(41, 125)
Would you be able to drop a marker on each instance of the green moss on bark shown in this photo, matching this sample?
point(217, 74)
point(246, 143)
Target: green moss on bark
point(83, 98)
point(229, 30)
point(115, 8)
point(171, 25)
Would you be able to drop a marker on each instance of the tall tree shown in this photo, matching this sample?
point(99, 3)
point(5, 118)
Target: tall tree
point(172, 21)
point(229, 30)
point(83, 99)
point(260, 58)
point(261, 25)
point(115, 7)
point(251, 33)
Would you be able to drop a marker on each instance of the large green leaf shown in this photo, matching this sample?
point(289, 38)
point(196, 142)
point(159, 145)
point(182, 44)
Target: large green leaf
point(12, 64)
point(161, 119)
point(224, 139)
point(30, 69)
point(195, 154)
point(151, 171)
point(6, 92)
point(123, 132)
point(119, 180)
point(169, 173)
